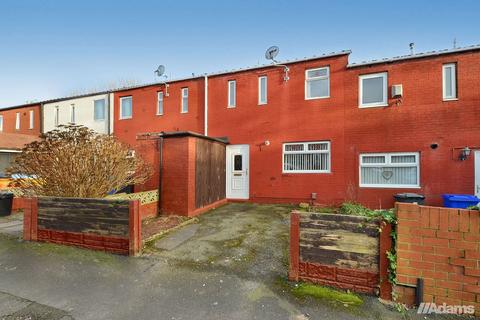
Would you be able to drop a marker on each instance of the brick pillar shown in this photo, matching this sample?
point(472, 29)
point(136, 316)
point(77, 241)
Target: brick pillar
point(27, 219)
point(385, 245)
point(135, 228)
point(294, 246)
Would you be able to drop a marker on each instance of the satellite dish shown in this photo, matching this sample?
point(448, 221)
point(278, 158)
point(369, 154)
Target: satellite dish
point(160, 70)
point(271, 53)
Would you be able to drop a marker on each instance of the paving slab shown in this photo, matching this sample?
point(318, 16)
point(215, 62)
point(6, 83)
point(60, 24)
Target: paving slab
point(177, 237)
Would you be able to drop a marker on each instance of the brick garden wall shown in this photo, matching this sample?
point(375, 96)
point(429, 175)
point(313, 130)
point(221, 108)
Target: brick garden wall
point(442, 246)
point(98, 224)
point(342, 251)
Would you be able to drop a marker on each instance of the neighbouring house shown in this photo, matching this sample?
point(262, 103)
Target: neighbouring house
point(94, 111)
point(320, 129)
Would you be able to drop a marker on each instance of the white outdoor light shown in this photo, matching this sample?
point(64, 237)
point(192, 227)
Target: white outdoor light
point(465, 153)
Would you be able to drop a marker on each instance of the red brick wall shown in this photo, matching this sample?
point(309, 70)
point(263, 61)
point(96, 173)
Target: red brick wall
point(442, 246)
point(287, 117)
point(145, 118)
point(422, 119)
point(9, 118)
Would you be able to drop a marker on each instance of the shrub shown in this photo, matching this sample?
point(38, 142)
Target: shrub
point(74, 161)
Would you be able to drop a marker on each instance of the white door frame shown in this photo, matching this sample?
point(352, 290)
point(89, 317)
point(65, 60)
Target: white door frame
point(238, 181)
point(476, 173)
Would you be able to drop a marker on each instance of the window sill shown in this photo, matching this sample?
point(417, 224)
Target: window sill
point(373, 106)
point(125, 118)
point(389, 187)
point(317, 98)
point(262, 104)
point(159, 114)
point(449, 99)
point(231, 107)
point(183, 112)
point(288, 173)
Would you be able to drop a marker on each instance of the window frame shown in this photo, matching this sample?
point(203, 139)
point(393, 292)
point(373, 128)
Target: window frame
point(388, 164)
point(56, 116)
point(183, 96)
point(121, 102)
point(260, 102)
point(104, 110)
point(31, 123)
point(454, 87)
point(160, 93)
point(17, 121)
point(72, 113)
point(384, 102)
point(328, 151)
point(234, 105)
point(1, 123)
point(307, 80)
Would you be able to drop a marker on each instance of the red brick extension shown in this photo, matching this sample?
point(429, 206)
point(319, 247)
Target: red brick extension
point(442, 246)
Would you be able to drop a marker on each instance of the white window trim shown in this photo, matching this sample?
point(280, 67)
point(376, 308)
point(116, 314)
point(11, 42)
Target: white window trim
point(1, 122)
point(383, 103)
point(121, 100)
point(104, 110)
point(17, 121)
point(307, 79)
point(31, 119)
point(229, 92)
point(72, 113)
point(56, 116)
point(160, 93)
point(260, 102)
point(388, 164)
point(454, 82)
point(329, 170)
point(182, 108)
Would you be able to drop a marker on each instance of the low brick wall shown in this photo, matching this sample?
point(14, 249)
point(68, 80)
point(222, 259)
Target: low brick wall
point(341, 251)
point(441, 246)
point(99, 224)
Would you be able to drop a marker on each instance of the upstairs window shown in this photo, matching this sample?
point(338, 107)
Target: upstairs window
point(232, 94)
point(373, 90)
point(317, 83)
point(390, 170)
point(99, 110)
point(17, 121)
point(184, 100)
point(306, 157)
point(450, 81)
point(56, 116)
point(160, 103)
point(262, 90)
point(126, 108)
point(1, 123)
point(32, 119)
point(72, 113)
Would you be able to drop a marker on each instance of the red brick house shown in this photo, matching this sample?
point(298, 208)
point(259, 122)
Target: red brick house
point(334, 130)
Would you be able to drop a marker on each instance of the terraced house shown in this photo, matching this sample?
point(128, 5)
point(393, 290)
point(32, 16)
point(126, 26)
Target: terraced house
point(322, 129)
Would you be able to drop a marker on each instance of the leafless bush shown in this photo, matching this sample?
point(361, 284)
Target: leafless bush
point(74, 161)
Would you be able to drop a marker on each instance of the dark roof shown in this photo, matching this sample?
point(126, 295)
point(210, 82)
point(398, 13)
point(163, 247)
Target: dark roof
point(179, 134)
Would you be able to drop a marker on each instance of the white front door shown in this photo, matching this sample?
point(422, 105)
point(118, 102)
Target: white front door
point(237, 171)
point(476, 189)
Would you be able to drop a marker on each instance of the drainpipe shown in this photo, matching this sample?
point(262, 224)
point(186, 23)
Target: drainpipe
point(206, 106)
point(160, 172)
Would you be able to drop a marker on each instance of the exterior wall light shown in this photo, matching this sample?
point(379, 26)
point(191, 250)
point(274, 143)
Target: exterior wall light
point(465, 153)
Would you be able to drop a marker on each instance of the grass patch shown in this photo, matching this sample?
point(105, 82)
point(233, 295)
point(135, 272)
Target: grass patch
point(319, 292)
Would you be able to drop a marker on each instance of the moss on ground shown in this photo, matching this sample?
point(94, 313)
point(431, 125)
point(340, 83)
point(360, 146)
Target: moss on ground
point(303, 290)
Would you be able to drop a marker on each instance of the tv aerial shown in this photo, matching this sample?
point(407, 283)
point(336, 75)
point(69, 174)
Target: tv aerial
point(270, 54)
point(160, 72)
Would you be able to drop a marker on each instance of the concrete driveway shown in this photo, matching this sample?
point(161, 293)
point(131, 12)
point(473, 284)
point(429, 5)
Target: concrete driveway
point(230, 265)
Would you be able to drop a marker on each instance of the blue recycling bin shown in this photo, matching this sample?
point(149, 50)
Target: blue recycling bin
point(461, 201)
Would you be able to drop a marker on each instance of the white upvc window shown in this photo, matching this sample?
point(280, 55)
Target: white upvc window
point(232, 94)
point(56, 116)
point(32, 119)
point(72, 113)
point(373, 90)
point(17, 121)
point(1, 123)
point(390, 170)
point(160, 103)
point(99, 110)
point(262, 90)
point(317, 83)
point(449, 81)
point(306, 157)
point(126, 108)
point(184, 100)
